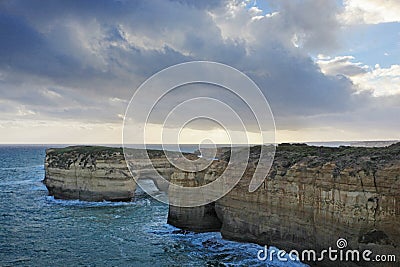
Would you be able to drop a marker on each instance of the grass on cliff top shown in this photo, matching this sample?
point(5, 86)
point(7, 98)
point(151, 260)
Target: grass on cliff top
point(99, 150)
point(86, 149)
point(342, 151)
point(294, 152)
point(287, 155)
point(367, 159)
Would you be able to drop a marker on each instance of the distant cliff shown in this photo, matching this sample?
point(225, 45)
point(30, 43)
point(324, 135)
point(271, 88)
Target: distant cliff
point(311, 197)
point(88, 173)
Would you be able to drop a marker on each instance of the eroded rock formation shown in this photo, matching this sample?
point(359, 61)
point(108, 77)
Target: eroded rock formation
point(95, 173)
point(88, 173)
point(311, 197)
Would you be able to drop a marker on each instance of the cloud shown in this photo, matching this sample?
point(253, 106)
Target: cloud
point(380, 81)
point(341, 66)
point(81, 62)
point(370, 11)
point(105, 51)
point(57, 132)
point(307, 21)
point(23, 111)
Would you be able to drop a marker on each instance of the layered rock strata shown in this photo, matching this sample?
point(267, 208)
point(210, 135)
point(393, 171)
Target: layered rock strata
point(311, 197)
point(88, 173)
point(94, 173)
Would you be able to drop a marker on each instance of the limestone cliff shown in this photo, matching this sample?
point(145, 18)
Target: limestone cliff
point(95, 173)
point(311, 197)
point(88, 173)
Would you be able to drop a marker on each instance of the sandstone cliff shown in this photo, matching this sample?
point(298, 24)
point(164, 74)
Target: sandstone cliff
point(95, 173)
point(88, 173)
point(311, 197)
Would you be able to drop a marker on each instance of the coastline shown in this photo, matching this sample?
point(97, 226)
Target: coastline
point(312, 197)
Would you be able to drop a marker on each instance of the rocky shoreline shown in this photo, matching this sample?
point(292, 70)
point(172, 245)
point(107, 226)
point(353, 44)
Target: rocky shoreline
point(311, 197)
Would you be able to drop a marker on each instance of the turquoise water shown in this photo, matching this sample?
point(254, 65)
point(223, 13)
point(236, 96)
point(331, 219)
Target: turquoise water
point(37, 230)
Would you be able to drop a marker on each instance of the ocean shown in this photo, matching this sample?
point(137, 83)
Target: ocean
point(38, 230)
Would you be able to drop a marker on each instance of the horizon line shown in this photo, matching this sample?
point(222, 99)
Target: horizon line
point(292, 142)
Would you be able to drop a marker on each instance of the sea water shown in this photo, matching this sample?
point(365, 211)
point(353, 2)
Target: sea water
point(38, 230)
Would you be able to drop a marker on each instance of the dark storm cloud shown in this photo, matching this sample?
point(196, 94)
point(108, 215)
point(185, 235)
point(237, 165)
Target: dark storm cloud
point(70, 59)
point(72, 41)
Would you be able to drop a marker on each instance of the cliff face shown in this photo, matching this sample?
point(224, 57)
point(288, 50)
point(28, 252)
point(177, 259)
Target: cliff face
point(94, 173)
point(312, 196)
point(88, 173)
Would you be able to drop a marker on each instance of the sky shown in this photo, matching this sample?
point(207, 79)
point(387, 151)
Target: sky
point(330, 70)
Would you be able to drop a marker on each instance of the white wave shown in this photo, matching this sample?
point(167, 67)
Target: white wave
point(81, 203)
point(38, 167)
point(22, 182)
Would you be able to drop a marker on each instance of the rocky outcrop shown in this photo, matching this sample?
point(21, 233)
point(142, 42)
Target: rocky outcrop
point(88, 173)
point(95, 173)
point(311, 197)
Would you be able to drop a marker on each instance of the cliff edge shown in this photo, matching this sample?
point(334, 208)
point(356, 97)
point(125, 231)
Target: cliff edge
point(311, 197)
point(88, 173)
